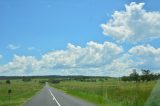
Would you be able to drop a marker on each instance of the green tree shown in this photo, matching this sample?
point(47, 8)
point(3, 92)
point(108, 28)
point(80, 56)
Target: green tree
point(9, 89)
point(134, 76)
point(8, 82)
point(146, 75)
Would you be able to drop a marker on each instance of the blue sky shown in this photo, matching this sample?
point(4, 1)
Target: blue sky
point(36, 27)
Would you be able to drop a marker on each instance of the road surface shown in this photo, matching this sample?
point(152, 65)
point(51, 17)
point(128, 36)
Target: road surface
point(49, 96)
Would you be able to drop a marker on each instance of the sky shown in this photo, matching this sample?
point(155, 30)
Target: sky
point(79, 37)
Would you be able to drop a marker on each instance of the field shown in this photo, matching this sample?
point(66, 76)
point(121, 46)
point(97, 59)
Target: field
point(21, 91)
point(103, 92)
point(113, 92)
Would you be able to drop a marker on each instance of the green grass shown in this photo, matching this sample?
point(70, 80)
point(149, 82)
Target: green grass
point(110, 93)
point(21, 91)
point(107, 93)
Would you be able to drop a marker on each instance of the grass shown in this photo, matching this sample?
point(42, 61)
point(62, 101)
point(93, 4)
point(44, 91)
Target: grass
point(110, 92)
point(21, 91)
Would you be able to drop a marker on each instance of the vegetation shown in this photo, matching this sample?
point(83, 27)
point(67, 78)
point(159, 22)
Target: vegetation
point(111, 92)
point(54, 81)
point(132, 90)
point(8, 82)
point(21, 91)
point(25, 79)
point(144, 77)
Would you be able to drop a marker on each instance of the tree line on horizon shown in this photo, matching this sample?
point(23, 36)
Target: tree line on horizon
point(144, 77)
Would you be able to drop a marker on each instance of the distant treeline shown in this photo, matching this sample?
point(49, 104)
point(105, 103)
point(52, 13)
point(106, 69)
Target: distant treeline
point(145, 76)
point(70, 77)
point(74, 78)
point(32, 77)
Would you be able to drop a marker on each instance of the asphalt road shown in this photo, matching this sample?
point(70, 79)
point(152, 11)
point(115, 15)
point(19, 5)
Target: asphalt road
point(49, 96)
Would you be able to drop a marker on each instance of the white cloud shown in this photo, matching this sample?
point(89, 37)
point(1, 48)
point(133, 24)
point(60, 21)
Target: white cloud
point(13, 47)
point(20, 64)
point(93, 59)
point(33, 49)
point(134, 24)
point(122, 63)
point(75, 59)
point(1, 56)
point(93, 55)
point(146, 56)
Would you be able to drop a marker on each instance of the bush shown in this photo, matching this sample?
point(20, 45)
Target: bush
point(54, 81)
point(26, 79)
point(8, 81)
point(42, 81)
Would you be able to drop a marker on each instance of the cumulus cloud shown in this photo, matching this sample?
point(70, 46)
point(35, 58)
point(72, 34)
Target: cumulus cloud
point(13, 47)
point(122, 63)
point(21, 64)
point(94, 57)
point(135, 24)
point(146, 56)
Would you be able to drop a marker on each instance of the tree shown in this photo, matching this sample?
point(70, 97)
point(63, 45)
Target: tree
point(146, 76)
point(134, 76)
point(9, 89)
point(145, 72)
point(8, 82)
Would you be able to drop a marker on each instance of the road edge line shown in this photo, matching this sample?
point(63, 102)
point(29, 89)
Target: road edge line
point(27, 100)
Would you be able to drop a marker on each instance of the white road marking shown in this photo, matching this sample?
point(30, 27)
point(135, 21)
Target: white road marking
point(54, 97)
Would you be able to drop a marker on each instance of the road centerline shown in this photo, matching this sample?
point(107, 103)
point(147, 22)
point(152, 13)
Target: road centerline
point(54, 98)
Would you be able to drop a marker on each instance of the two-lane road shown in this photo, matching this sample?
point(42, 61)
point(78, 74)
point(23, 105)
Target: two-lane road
point(49, 96)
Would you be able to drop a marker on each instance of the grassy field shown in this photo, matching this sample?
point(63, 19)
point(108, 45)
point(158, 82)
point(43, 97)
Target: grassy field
point(112, 92)
point(21, 91)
